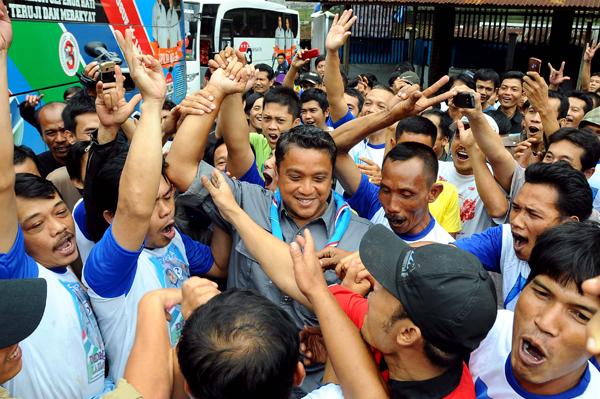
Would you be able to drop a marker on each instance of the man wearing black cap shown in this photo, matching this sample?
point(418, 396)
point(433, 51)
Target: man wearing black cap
point(22, 304)
point(310, 80)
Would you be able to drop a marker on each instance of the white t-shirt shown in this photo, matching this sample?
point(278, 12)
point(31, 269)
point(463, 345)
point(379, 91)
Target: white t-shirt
point(473, 214)
point(494, 248)
point(118, 279)
point(374, 152)
point(594, 182)
point(84, 243)
point(327, 391)
point(64, 357)
point(492, 373)
point(365, 202)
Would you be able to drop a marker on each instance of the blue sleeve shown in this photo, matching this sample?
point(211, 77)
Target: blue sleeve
point(346, 118)
point(110, 269)
point(16, 263)
point(365, 200)
point(199, 256)
point(487, 246)
point(252, 176)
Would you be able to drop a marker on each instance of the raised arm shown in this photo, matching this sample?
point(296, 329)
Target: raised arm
point(537, 93)
point(8, 201)
point(143, 168)
point(297, 63)
point(557, 76)
point(348, 353)
point(271, 253)
point(409, 101)
point(337, 36)
point(494, 200)
point(490, 143)
point(586, 73)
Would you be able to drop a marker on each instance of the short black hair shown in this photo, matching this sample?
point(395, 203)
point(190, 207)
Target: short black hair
point(513, 75)
point(573, 190)
point(582, 138)
point(379, 86)
point(404, 66)
point(417, 124)
point(105, 189)
point(77, 105)
point(74, 159)
point(250, 100)
point(595, 98)
point(317, 95)
point(351, 91)
point(501, 119)
point(283, 54)
point(567, 253)
point(28, 185)
point(22, 153)
point(168, 105)
point(319, 59)
point(596, 74)
point(72, 90)
point(267, 69)
point(239, 345)
point(410, 150)
point(445, 121)
point(487, 75)
point(49, 105)
point(583, 96)
point(563, 108)
point(285, 96)
point(463, 77)
point(305, 136)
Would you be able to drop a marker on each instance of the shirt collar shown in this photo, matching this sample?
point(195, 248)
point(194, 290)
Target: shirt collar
point(434, 388)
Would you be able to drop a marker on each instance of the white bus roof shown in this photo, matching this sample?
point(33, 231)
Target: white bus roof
point(231, 4)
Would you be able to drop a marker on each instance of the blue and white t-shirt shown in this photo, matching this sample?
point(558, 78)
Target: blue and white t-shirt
point(118, 279)
point(492, 373)
point(346, 118)
point(594, 182)
point(327, 391)
point(84, 241)
point(364, 149)
point(64, 357)
point(494, 248)
point(365, 202)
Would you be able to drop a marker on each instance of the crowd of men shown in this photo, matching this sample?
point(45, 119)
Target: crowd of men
point(310, 236)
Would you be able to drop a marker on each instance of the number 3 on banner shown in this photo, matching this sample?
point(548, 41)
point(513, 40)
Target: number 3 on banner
point(69, 53)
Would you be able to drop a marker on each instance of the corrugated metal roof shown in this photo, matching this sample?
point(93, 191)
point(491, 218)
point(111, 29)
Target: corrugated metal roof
point(587, 4)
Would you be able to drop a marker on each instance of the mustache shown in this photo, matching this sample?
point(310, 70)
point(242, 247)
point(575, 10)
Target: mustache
point(64, 236)
point(393, 218)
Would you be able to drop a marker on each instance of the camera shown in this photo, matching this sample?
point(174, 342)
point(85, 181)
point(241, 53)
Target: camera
point(106, 62)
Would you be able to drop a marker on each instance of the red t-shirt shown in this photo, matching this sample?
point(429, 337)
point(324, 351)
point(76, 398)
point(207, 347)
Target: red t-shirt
point(355, 306)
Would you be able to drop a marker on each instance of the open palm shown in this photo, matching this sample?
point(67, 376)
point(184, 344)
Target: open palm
point(6, 34)
point(339, 31)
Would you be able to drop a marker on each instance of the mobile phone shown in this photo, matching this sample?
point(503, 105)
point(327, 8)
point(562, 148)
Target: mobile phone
point(535, 65)
point(310, 54)
point(107, 72)
point(464, 100)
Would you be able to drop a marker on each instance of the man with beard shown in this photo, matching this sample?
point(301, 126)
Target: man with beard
point(539, 351)
point(141, 242)
point(552, 194)
point(52, 130)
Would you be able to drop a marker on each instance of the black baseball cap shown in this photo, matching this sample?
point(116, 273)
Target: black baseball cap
point(311, 77)
point(444, 290)
point(22, 304)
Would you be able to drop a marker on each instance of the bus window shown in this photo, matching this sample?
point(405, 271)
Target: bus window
point(191, 28)
point(293, 23)
point(257, 23)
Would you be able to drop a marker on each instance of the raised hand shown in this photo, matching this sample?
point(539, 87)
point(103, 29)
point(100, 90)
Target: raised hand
point(32, 100)
point(590, 51)
point(410, 101)
point(221, 194)
point(556, 76)
point(298, 62)
point(371, 169)
point(196, 292)
point(339, 31)
point(363, 85)
point(197, 103)
point(329, 257)
point(150, 81)
point(234, 79)
point(307, 268)
point(111, 106)
point(6, 33)
point(524, 155)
